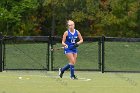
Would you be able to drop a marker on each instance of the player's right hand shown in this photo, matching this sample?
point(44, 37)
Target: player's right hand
point(66, 46)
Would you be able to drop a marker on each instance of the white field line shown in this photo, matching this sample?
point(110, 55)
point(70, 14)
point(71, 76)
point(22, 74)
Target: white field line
point(43, 76)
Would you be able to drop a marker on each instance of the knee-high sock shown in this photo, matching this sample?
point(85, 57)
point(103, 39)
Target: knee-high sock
point(72, 70)
point(65, 68)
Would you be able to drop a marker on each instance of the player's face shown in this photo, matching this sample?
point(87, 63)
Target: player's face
point(71, 25)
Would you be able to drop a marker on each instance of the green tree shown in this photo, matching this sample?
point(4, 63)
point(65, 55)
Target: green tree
point(119, 18)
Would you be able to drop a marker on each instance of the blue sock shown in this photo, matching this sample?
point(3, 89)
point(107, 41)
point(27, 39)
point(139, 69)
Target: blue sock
point(65, 68)
point(72, 70)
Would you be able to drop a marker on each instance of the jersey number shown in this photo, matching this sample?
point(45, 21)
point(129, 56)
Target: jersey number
point(73, 40)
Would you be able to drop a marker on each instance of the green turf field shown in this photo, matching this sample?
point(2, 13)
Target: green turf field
point(49, 82)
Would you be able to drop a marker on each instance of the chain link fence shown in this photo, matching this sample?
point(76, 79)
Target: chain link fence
point(95, 54)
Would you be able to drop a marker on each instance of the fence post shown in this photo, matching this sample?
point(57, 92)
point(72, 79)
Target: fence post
point(52, 57)
point(3, 53)
point(99, 53)
point(103, 52)
point(50, 53)
point(1, 57)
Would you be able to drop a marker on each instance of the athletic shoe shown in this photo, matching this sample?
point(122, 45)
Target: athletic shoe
point(74, 77)
point(60, 73)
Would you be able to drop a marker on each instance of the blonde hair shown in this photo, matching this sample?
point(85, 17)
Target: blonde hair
point(70, 22)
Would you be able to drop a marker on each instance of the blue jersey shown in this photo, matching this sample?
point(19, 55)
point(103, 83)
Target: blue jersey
point(70, 41)
point(71, 38)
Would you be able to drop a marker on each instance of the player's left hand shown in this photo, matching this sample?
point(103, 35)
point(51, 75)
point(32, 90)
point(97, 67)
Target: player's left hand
point(76, 45)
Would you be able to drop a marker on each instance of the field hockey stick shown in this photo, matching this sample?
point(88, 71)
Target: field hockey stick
point(53, 49)
point(75, 45)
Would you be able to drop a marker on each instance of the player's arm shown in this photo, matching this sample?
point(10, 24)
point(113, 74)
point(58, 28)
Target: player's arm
point(64, 39)
point(80, 38)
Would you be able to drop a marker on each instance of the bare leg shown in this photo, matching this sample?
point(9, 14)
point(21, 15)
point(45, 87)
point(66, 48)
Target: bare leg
point(72, 58)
